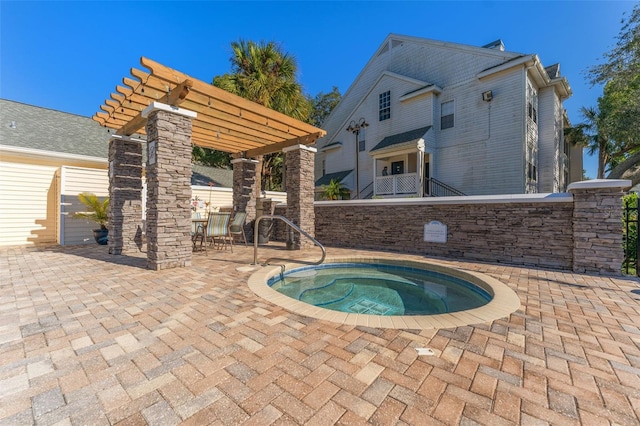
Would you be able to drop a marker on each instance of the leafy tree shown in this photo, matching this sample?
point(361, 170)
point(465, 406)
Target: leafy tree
point(619, 107)
point(322, 105)
point(263, 73)
point(335, 191)
point(622, 64)
point(210, 157)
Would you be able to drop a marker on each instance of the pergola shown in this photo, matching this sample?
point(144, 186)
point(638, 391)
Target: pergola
point(176, 111)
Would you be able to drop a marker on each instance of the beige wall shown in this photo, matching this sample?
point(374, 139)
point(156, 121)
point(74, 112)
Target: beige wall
point(27, 204)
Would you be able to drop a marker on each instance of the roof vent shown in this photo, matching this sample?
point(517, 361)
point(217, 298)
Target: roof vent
point(12, 125)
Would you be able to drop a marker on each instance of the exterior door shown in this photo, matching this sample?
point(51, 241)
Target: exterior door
point(397, 168)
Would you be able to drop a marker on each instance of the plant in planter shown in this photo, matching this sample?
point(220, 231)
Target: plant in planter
point(97, 211)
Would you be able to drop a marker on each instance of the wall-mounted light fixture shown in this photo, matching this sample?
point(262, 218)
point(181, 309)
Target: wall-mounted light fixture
point(487, 96)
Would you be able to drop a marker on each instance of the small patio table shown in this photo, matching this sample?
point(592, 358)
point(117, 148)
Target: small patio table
point(199, 225)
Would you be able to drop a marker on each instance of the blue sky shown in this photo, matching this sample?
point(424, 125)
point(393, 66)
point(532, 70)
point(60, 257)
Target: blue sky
point(69, 56)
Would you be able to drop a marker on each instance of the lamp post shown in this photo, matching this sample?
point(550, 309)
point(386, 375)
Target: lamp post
point(355, 127)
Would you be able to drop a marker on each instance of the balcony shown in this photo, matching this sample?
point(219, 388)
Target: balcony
point(405, 184)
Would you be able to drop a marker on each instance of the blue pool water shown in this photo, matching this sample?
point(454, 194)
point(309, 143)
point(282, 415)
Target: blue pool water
point(379, 289)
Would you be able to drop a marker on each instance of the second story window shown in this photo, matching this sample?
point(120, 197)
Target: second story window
point(532, 103)
point(384, 110)
point(446, 115)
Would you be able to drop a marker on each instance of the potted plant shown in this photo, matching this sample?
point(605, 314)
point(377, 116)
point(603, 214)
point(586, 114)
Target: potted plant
point(97, 211)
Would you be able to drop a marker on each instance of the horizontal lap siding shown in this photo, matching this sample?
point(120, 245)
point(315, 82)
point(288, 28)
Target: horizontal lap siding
point(537, 234)
point(76, 180)
point(27, 204)
point(483, 153)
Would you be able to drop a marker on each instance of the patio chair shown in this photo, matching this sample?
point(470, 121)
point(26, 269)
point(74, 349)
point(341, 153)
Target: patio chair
point(237, 226)
point(218, 228)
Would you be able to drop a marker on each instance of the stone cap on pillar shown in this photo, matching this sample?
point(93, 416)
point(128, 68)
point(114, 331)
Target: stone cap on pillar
point(301, 147)
point(244, 160)
point(158, 106)
point(599, 183)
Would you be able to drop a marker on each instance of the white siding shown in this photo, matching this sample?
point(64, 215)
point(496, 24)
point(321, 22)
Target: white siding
point(436, 62)
point(483, 153)
point(73, 181)
point(28, 207)
point(550, 141)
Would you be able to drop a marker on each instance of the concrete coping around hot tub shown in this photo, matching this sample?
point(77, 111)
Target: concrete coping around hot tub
point(504, 302)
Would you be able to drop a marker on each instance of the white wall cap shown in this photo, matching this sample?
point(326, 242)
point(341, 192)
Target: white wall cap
point(126, 138)
point(244, 160)
point(600, 183)
point(301, 147)
point(469, 199)
point(157, 106)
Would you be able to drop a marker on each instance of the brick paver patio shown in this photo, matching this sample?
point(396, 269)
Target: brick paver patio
point(89, 339)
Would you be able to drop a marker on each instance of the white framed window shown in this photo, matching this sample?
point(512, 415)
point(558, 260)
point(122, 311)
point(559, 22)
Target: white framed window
point(384, 108)
point(362, 137)
point(532, 103)
point(447, 112)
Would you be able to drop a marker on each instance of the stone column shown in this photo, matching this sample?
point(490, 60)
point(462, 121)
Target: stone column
point(125, 195)
point(246, 186)
point(597, 226)
point(300, 186)
point(168, 186)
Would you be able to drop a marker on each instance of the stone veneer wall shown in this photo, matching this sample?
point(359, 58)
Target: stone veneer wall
point(580, 232)
point(246, 184)
point(169, 191)
point(300, 189)
point(536, 234)
point(597, 226)
point(125, 196)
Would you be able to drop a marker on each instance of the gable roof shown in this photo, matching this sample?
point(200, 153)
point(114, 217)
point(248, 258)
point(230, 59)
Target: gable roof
point(400, 138)
point(202, 175)
point(31, 127)
point(326, 179)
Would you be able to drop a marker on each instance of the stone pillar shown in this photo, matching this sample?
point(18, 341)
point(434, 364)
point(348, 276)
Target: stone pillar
point(168, 186)
point(125, 195)
point(597, 226)
point(246, 186)
point(300, 186)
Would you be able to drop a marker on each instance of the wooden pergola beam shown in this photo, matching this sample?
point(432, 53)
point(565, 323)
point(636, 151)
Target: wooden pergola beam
point(304, 140)
point(174, 98)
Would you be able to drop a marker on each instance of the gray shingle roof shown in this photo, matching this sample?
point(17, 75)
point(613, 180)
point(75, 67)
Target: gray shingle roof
point(326, 179)
point(202, 175)
point(553, 71)
point(51, 130)
point(399, 138)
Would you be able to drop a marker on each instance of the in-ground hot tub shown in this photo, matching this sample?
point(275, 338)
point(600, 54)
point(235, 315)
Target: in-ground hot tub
point(386, 293)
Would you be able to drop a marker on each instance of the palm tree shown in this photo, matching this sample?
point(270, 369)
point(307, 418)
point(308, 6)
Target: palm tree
point(335, 191)
point(98, 211)
point(263, 73)
point(596, 137)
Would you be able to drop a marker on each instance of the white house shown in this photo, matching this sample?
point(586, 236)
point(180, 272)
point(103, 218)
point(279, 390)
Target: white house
point(442, 118)
point(47, 158)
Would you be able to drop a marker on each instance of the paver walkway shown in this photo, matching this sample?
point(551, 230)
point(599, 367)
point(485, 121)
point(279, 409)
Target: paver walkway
point(89, 339)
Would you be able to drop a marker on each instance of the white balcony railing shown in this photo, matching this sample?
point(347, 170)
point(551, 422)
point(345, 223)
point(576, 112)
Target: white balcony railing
point(406, 184)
